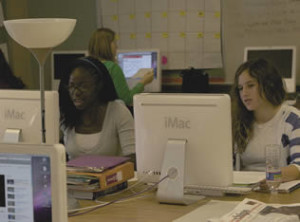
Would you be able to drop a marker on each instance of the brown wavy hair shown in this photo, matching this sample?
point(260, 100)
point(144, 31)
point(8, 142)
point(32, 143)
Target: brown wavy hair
point(271, 87)
point(100, 44)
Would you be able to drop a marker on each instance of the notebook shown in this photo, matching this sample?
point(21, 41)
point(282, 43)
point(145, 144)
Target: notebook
point(95, 163)
point(32, 183)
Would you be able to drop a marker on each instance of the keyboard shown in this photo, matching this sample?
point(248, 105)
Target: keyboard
point(216, 191)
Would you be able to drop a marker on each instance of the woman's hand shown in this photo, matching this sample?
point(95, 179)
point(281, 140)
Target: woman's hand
point(147, 78)
point(290, 173)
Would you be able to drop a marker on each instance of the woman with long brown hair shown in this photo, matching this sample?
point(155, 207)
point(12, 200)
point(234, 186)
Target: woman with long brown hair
point(261, 117)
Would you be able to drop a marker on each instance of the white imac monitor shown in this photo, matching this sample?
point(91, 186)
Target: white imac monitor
point(20, 116)
point(33, 183)
point(283, 57)
point(201, 121)
point(60, 61)
point(131, 61)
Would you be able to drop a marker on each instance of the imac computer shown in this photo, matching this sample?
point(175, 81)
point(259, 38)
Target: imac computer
point(60, 61)
point(33, 183)
point(135, 63)
point(188, 135)
point(283, 57)
point(20, 116)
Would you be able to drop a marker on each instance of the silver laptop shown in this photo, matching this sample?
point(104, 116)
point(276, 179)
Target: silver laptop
point(32, 183)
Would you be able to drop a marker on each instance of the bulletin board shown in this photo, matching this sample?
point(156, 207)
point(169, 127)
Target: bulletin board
point(258, 23)
point(186, 31)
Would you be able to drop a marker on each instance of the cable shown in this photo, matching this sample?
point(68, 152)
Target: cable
point(140, 181)
point(90, 209)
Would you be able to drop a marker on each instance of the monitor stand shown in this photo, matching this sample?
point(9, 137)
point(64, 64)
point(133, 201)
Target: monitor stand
point(12, 136)
point(171, 190)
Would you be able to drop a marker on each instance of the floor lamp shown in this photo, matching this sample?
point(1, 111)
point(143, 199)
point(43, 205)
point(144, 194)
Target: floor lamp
point(40, 36)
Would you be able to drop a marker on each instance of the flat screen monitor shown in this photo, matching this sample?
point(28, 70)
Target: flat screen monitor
point(131, 61)
point(32, 183)
point(202, 120)
point(60, 61)
point(283, 57)
point(20, 113)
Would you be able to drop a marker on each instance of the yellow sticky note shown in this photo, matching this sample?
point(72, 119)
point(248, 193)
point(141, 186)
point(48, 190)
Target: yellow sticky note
point(132, 16)
point(200, 35)
point(148, 35)
point(147, 14)
point(164, 14)
point(182, 13)
point(165, 35)
point(182, 34)
point(132, 36)
point(200, 14)
point(217, 35)
point(114, 18)
point(217, 14)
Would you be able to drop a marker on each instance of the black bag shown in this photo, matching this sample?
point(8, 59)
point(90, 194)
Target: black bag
point(194, 81)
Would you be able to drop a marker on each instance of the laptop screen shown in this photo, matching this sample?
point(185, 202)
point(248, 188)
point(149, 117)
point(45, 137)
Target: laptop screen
point(25, 188)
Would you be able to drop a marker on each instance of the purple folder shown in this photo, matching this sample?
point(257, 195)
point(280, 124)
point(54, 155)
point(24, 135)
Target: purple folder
point(97, 162)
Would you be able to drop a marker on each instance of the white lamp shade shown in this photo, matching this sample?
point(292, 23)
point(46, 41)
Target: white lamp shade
point(40, 32)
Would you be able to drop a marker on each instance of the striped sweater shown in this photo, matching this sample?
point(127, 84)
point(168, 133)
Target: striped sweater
point(284, 129)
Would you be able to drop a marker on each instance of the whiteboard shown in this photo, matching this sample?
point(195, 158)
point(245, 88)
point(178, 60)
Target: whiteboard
point(187, 32)
point(257, 23)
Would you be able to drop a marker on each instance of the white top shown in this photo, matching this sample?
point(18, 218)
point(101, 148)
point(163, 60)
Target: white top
point(115, 139)
point(87, 141)
point(283, 129)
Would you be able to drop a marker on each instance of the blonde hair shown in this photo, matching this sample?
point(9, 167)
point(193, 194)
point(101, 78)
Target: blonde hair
point(100, 44)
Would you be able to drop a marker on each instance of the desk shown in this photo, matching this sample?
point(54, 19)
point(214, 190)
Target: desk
point(147, 209)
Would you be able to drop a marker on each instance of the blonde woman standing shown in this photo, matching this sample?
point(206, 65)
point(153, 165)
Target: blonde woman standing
point(103, 45)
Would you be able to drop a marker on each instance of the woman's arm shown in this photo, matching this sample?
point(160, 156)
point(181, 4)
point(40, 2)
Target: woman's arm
point(132, 159)
point(121, 85)
point(125, 124)
point(292, 171)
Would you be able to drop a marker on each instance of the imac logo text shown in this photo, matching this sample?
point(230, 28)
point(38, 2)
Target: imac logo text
point(14, 114)
point(176, 123)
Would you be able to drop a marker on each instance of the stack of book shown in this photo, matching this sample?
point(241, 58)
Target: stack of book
point(90, 176)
